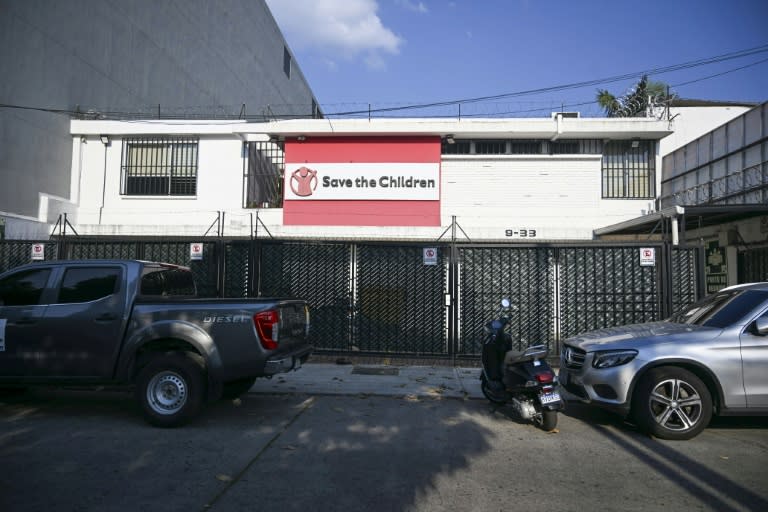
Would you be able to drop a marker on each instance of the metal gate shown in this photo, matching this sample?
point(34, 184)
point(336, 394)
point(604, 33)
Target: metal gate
point(386, 298)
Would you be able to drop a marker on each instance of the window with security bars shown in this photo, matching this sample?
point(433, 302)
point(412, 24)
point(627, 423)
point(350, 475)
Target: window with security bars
point(263, 175)
point(459, 147)
point(629, 169)
point(490, 147)
point(522, 147)
point(159, 166)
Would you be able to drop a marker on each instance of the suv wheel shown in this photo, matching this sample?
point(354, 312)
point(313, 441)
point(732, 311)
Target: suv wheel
point(672, 403)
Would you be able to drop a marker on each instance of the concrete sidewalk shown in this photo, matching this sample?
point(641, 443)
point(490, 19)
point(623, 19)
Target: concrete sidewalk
point(376, 380)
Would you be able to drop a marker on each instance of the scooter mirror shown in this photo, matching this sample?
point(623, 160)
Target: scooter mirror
point(505, 303)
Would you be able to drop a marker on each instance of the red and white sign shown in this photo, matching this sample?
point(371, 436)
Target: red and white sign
point(38, 252)
point(196, 252)
point(362, 181)
point(647, 257)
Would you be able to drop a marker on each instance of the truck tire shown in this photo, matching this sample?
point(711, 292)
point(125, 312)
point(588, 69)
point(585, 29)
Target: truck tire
point(171, 389)
point(235, 388)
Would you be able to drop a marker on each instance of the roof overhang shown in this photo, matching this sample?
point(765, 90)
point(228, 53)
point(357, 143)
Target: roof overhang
point(689, 217)
point(519, 128)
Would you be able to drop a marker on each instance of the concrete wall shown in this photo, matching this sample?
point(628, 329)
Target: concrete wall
point(188, 56)
point(494, 197)
point(690, 123)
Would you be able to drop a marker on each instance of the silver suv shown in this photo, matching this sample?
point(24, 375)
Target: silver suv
point(672, 376)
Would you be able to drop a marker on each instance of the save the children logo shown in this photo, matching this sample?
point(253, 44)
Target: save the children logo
point(303, 181)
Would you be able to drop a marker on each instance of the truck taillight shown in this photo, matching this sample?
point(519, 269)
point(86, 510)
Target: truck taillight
point(544, 377)
point(267, 325)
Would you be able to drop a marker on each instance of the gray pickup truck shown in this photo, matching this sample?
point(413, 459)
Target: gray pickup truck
point(97, 322)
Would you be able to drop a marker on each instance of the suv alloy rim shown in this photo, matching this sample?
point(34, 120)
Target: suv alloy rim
point(676, 405)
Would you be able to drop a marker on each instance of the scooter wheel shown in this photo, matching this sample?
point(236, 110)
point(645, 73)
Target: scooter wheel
point(489, 393)
point(548, 420)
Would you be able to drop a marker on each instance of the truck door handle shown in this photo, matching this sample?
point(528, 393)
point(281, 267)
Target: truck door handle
point(106, 317)
point(27, 320)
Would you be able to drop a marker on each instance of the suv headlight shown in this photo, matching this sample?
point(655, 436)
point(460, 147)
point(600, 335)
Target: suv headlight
point(611, 358)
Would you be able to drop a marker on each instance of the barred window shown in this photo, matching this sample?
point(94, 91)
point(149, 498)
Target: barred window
point(564, 147)
point(263, 175)
point(159, 166)
point(490, 147)
point(525, 147)
point(459, 147)
point(629, 169)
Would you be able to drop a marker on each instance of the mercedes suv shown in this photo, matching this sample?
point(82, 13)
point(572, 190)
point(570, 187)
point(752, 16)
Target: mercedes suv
point(670, 377)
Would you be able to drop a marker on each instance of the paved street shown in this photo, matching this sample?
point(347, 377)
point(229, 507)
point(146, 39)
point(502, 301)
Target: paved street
point(80, 451)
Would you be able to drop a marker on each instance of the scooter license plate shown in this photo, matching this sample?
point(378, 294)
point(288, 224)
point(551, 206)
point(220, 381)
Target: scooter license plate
point(549, 398)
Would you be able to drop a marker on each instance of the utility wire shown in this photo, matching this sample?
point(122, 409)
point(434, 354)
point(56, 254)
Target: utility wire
point(654, 71)
point(576, 85)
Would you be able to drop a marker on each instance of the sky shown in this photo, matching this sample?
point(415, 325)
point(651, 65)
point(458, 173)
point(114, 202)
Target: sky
point(391, 54)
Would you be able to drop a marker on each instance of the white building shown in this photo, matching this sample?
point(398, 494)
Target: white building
point(524, 180)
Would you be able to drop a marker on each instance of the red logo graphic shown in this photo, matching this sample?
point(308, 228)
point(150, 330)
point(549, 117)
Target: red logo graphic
point(303, 181)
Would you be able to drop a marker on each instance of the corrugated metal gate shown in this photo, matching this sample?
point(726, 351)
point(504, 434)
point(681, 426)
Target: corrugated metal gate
point(383, 298)
point(753, 265)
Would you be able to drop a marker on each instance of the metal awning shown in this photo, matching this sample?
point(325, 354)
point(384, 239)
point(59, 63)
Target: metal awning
point(688, 217)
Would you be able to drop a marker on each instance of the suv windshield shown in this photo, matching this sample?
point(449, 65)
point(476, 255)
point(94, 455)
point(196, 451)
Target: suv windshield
point(721, 309)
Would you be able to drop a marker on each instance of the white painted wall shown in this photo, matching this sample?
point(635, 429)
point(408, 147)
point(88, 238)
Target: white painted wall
point(690, 123)
point(557, 196)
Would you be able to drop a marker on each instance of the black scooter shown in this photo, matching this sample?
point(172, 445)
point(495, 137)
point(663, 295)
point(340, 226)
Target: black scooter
point(523, 377)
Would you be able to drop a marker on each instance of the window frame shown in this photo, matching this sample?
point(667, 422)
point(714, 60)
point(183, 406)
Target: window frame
point(628, 172)
point(159, 166)
point(117, 274)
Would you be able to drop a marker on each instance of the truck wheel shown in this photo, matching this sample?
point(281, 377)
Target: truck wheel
point(672, 403)
point(236, 388)
point(171, 389)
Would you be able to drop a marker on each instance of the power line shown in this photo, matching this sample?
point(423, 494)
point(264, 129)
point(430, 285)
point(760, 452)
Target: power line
point(721, 74)
point(576, 85)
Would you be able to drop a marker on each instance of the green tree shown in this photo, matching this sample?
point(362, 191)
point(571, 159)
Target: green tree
point(645, 95)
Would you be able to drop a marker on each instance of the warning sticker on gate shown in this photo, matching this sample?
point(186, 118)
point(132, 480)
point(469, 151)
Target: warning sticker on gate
point(647, 257)
point(38, 252)
point(430, 256)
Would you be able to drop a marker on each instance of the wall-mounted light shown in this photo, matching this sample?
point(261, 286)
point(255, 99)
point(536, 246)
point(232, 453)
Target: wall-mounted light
point(635, 143)
point(449, 139)
point(104, 139)
point(301, 138)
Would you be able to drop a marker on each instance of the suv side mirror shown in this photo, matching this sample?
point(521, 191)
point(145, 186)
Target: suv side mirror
point(761, 325)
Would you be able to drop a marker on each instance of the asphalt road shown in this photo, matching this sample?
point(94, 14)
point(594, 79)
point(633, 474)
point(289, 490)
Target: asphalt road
point(91, 451)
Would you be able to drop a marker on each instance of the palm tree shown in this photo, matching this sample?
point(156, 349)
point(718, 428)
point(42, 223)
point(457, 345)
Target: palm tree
point(645, 95)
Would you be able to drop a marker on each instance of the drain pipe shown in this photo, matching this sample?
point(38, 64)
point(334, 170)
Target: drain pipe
point(558, 127)
point(673, 213)
point(105, 140)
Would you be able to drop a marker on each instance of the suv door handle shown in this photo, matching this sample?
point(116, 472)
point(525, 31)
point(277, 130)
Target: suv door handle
point(27, 320)
point(106, 317)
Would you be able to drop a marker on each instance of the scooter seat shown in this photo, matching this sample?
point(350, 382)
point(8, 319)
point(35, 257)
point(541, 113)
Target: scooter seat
point(529, 354)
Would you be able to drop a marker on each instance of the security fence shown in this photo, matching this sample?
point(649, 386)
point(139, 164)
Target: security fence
point(398, 299)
